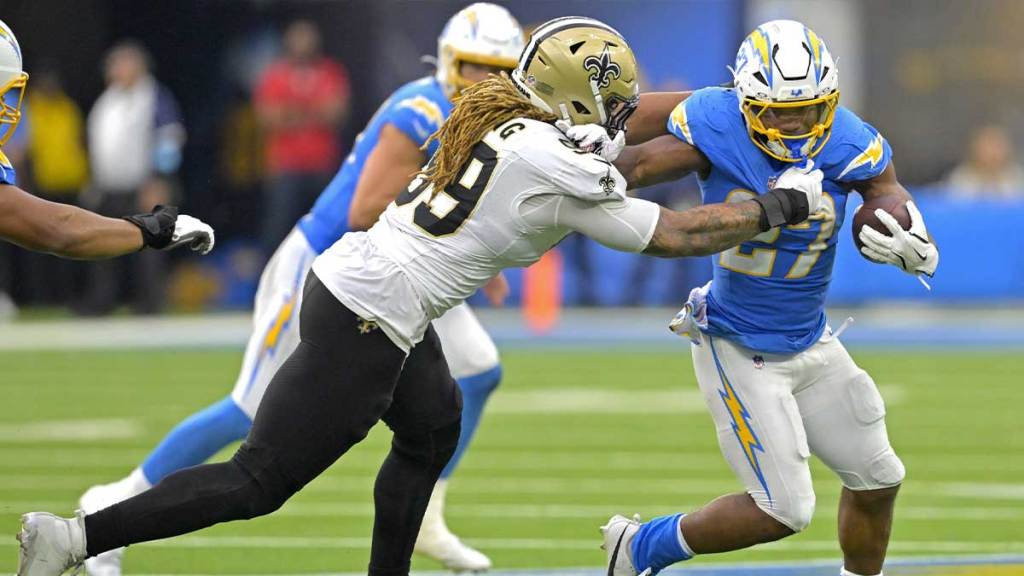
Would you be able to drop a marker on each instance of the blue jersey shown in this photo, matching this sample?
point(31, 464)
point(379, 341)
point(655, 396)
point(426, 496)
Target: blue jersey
point(417, 109)
point(7, 175)
point(768, 294)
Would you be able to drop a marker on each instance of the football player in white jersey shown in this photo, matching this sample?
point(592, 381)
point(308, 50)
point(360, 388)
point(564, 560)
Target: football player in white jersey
point(479, 39)
point(64, 230)
point(505, 186)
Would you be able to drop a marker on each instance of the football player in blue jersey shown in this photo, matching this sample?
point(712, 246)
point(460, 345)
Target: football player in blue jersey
point(479, 40)
point(777, 381)
point(64, 230)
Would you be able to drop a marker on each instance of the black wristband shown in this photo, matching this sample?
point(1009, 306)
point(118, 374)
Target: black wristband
point(157, 226)
point(782, 206)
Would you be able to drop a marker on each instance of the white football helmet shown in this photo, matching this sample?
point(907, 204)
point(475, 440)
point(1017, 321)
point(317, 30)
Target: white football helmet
point(480, 33)
point(12, 83)
point(784, 74)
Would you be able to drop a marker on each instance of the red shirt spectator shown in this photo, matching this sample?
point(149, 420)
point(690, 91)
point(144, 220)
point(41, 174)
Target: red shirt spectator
point(302, 100)
point(301, 103)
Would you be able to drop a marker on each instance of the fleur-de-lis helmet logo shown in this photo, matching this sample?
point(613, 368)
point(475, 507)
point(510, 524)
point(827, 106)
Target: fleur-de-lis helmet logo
point(603, 70)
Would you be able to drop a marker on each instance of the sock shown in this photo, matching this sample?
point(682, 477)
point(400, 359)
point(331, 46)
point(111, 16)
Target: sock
point(433, 518)
point(132, 484)
point(475, 391)
point(659, 544)
point(197, 438)
point(845, 572)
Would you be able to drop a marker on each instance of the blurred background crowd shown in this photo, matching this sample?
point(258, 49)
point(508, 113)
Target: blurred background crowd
point(241, 111)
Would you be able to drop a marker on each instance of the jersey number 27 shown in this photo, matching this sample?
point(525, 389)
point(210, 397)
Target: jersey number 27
point(761, 261)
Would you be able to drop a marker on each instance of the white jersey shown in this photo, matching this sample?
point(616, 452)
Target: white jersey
point(525, 187)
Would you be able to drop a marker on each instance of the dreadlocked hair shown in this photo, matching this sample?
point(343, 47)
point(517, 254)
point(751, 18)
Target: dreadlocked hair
point(478, 109)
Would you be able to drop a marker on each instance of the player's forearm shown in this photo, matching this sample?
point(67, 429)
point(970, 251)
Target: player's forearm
point(651, 117)
point(83, 235)
point(883, 185)
point(662, 159)
point(64, 230)
point(705, 230)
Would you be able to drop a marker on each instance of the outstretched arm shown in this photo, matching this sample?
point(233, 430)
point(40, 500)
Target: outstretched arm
point(636, 225)
point(71, 232)
point(63, 230)
point(388, 170)
point(706, 229)
point(715, 227)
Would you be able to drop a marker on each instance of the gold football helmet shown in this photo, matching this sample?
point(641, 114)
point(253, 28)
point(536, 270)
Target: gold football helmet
point(581, 70)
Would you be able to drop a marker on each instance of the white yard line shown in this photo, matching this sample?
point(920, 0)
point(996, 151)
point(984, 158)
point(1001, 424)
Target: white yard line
point(983, 490)
point(70, 430)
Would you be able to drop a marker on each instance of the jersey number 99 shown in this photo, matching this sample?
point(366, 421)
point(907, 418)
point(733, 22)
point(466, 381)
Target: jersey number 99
point(445, 213)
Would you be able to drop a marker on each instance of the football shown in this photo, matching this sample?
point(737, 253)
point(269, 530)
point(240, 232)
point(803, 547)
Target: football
point(865, 216)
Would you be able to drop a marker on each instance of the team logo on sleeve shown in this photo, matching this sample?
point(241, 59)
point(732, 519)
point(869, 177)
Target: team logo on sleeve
point(427, 110)
point(680, 123)
point(602, 69)
point(872, 155)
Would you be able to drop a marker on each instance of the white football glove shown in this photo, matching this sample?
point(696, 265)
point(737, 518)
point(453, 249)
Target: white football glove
point(807, 180)
point(594, 138)
point(910, 250)
point(194, 233)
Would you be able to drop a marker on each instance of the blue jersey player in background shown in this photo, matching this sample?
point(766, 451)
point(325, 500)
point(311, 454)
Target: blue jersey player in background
point(777, 381)
point(479, 40)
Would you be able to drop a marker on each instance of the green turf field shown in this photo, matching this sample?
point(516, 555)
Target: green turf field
point(572, 438)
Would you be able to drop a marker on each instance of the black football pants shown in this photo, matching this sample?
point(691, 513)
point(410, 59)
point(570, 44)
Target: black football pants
point(343, 377)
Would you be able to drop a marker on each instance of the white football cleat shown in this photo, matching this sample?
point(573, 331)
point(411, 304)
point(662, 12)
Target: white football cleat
point(436, 541)
point(447, 549)
point(618, 539)
point(49, 544)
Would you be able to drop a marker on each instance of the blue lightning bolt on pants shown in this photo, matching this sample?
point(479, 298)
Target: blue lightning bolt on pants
point(771, 412)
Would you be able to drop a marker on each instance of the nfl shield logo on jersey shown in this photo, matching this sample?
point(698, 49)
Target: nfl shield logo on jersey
point(758, 362)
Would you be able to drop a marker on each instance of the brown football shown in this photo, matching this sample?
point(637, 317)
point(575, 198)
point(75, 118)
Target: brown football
point(897, 207)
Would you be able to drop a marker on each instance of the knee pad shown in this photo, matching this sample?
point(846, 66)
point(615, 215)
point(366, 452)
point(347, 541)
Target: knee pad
point(884, 471)
point(268, 486)
point(435, 447)
point(446, 439)
point(796, 514)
